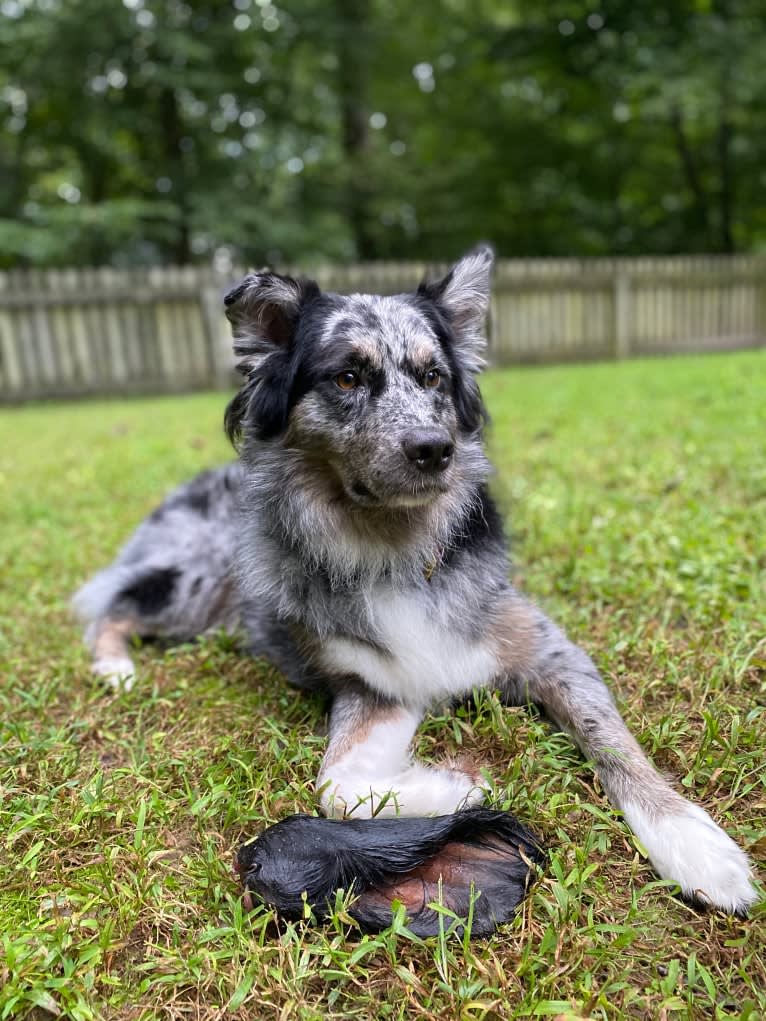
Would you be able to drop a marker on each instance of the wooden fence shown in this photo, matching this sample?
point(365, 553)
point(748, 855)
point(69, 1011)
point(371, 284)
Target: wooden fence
point(106, 331)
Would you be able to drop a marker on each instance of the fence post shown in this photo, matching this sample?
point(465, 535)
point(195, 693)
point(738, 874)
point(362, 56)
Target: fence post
point(490, 328)
point(622, 315)
point(218, 338)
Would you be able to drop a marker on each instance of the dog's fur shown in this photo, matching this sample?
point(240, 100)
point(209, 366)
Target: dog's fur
point(357, 546)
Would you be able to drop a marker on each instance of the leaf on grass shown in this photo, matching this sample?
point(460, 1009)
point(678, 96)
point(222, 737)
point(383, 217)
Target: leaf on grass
point(45, 1001)
point(241, 992)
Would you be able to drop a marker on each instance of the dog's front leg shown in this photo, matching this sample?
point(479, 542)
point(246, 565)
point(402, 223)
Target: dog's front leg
point(368, 770)
point(683, 842)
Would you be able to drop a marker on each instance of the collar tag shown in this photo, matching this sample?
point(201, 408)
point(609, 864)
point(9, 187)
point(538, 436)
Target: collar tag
point(430, 568)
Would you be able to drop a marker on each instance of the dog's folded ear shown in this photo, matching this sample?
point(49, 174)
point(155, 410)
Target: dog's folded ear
point(264, 311)
point(463, 295)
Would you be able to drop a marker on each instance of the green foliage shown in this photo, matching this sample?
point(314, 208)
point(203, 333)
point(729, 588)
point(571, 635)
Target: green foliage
point(164, 130)
point(636, 495)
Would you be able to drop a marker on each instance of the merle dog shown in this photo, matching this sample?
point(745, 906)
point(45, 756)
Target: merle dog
point(357, 547)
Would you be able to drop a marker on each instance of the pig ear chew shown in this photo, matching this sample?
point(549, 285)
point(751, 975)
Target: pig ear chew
point(473, 865)
point(484, 880)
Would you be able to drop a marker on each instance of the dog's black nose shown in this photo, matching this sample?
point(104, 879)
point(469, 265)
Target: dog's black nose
point(429, 449)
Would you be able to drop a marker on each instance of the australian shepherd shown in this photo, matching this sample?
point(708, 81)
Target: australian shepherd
point(356, 546)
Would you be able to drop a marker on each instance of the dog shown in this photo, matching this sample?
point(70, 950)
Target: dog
point(357, 547)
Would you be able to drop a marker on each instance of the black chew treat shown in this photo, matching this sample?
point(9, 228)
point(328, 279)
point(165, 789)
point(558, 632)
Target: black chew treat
point(414, 861)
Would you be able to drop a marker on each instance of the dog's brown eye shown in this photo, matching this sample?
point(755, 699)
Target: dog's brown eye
point(433, 378)
point(347, 380)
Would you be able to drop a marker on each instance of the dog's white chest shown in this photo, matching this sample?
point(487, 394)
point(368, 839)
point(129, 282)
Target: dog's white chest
point(424, 659)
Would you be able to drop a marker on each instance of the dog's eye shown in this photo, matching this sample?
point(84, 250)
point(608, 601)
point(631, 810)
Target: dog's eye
point(433, 378)
point(347, 380)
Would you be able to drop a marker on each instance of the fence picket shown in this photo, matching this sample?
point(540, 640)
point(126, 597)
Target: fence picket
point(77, 332)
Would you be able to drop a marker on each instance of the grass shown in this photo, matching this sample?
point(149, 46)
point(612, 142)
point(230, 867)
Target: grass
point(637, 500)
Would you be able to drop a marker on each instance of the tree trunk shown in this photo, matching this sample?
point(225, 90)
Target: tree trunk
point(353, 62)
point(726, 198)
point(723, 137)
point(694, 183)
point(172, 132)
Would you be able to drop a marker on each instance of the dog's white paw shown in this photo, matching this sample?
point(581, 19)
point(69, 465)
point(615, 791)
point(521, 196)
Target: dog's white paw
point(116, 671)
point(417, 790)
point(689, 848)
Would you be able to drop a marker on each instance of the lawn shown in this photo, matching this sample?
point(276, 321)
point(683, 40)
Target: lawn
point(636, 499)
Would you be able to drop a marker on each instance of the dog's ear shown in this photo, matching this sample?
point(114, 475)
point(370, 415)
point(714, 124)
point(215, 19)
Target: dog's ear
point(463, 296)
point(264, 311)
point(457, 307)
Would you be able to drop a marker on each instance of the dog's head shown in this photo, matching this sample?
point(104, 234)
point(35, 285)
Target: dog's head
point(380, 390)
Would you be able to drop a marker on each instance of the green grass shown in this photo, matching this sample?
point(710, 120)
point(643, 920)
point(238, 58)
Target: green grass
point(636, 495)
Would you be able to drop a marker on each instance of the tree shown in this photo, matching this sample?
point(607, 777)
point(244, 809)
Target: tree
point(149, 131)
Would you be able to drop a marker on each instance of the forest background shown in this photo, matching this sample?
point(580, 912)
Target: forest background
point(144, 132)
